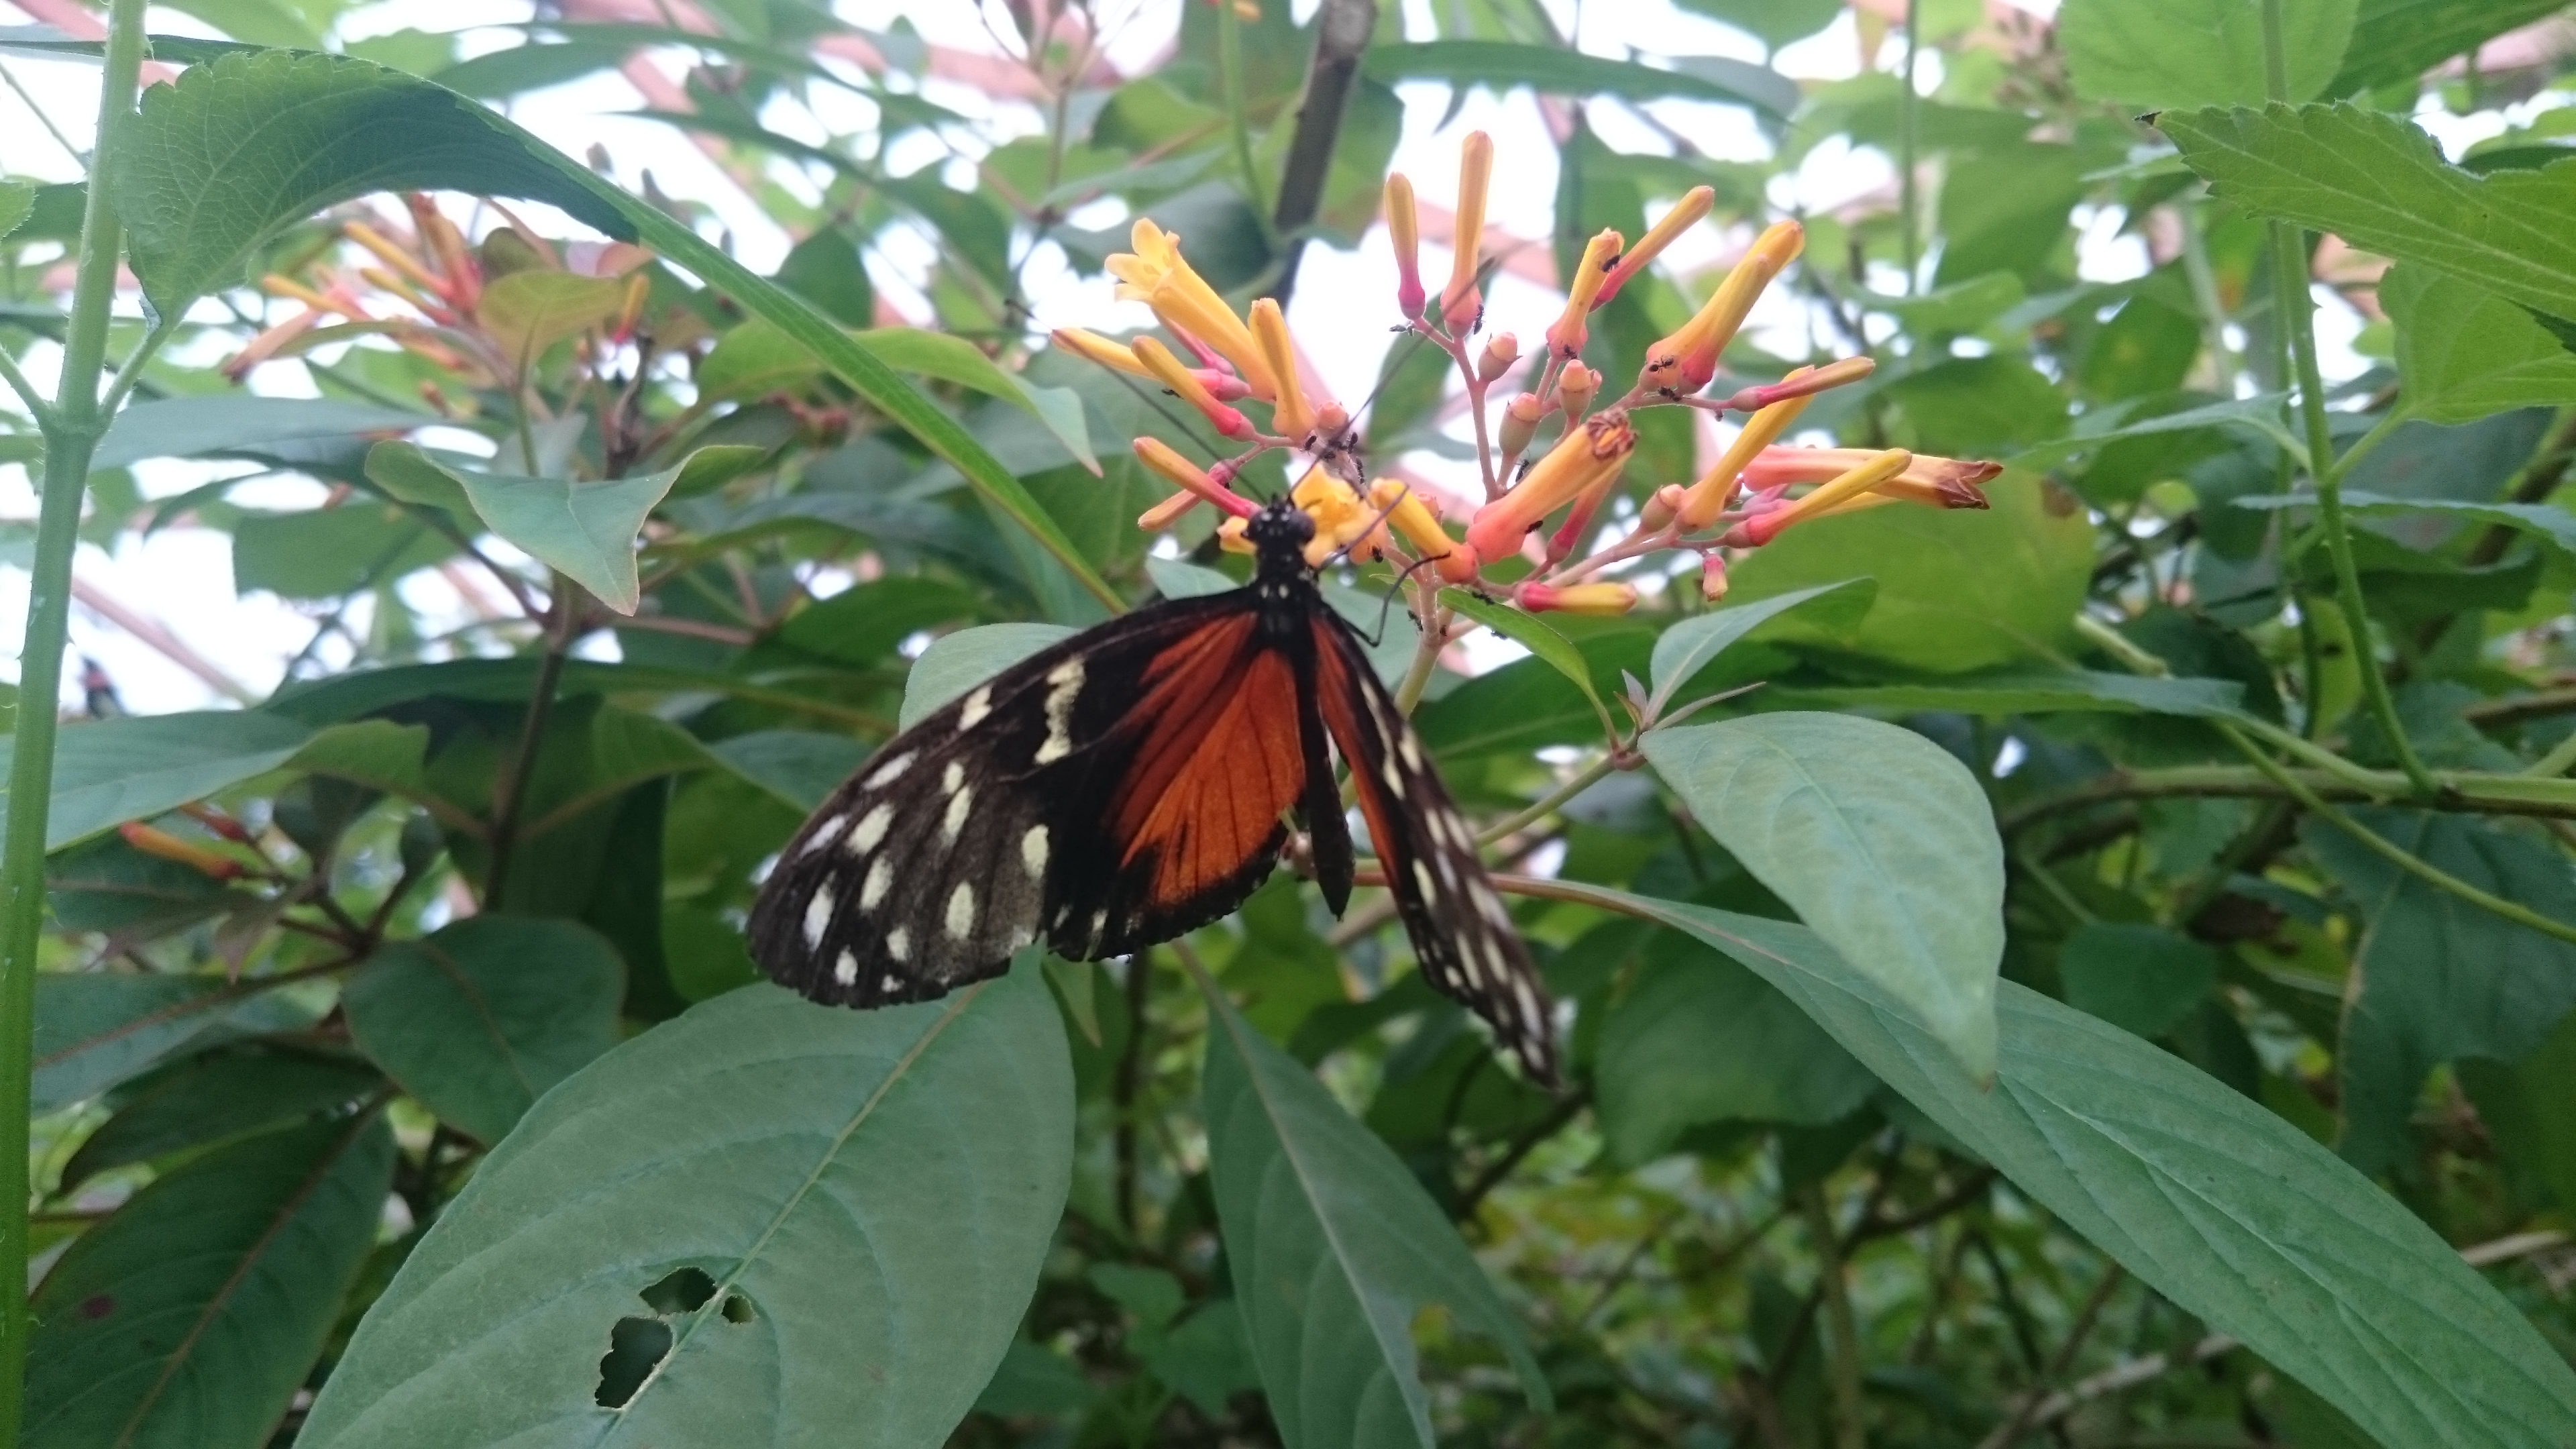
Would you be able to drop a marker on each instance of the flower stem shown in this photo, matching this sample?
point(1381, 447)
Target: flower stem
point(71, 433)
point(1229, 61)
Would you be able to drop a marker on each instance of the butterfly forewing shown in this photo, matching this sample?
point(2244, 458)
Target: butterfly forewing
point(1462, 936)
point(1115, 790)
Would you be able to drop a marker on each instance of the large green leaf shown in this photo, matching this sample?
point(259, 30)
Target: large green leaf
point(326, 553)
point(2032, 691)
point(1688, 647)
point(1334, 1248)
point(956, 663)
point(869, 1195)
point(2465, 353)
point(96, 1029)
point(1562, 70)
point(2395, 40)
point(585, 530)
point(2545, 520)
point(233, 422)
point(528, 311)
point(1878, 838)
point(2441, 978)
point(480, 1018)
point(1956, 590)
point(110, 771)
point(1698, 1039)
point(2236, 1216)
point(190, 1318)
point(201, 184)
point(218, 1096)
point(2381, 184)
point(800, 767)
point(2196, 52)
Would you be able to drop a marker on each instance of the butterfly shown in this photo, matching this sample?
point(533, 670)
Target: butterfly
point(1133, 783)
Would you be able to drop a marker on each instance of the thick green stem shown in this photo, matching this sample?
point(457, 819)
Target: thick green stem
point(2223, 361)
point(1849, 1432)
point(2290, 288)
point(71, 436)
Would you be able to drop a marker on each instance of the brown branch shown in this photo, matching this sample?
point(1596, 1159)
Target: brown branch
point(1342, 30)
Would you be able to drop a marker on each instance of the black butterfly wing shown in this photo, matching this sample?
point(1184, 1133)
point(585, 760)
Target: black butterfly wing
point(1462, 935)
point(1115, 790)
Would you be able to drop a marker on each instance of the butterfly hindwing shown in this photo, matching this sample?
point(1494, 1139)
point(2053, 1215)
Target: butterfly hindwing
point(1462, 935)
point(1112, 791)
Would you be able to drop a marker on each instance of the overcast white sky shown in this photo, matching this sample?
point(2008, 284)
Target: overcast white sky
point(182, 577)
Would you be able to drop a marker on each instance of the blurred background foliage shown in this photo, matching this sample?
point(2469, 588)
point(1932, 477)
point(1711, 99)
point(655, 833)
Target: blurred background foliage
point(346, 938)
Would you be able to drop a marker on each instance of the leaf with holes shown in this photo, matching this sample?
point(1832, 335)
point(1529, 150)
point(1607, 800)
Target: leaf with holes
point(192, 1316)
point(479, 1019)
point(1878, 838)
point(1334, 1248)
point(2238, 1217)
point(870, 1195)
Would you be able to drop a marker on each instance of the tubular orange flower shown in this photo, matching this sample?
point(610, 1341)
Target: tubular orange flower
point(1716, 488)
point(1682, 363)
point(1763, 527)
point(1404, 232)
point(1181, 473)
point(1565, 339)
point(1166, 513)
point(1412, 517)
point(1108, 352)
point(1805, 382)
point(1156, 275)
point(1609, 600)
point(1289, 414)
point(1582, 459)
point(1938, 482)
point(152, 841)
point(1693, 205)
point(1460, 298)
point(1168, 371)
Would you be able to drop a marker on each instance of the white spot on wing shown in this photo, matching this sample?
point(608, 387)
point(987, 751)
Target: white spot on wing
point(846, 970)
point(1405, 746)
point(899, 944)
point(887, 773)
point(958, 806)
point(1066, 686)
point(870, 829)
point(1422, 878)
point(952, 777)
point(818, 916)
point(1033, 850)
point(873, 889)
point(961, 912)
point(978, 705)
point(1394, 780)
point(822, 836)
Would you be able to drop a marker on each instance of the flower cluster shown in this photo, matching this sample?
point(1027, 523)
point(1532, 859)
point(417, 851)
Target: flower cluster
point(1557, 450)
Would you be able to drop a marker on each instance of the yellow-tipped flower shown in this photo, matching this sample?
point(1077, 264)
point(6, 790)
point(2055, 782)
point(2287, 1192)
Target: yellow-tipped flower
point(1289, 414)
point(1715, 489)
point(1936, 482)
point(1583, 458)
point(1404, 232)
point(1167, 370)
point(1603, 600)
point(1805, 382)
point(1166, 513)
point(1682, 363)
point(1460, 299)
point(1190, 478)
point(1687, 211)
point(1156, 275)
point(1412, 516)
point(1763, 527)
point(1093, 347)
point(1565, 339)
point(1343, 519)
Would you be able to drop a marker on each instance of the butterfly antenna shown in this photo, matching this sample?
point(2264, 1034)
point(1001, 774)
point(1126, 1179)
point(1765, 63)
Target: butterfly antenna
point(1386, 604)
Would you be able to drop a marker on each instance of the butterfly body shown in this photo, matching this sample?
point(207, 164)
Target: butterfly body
point(1131, 784)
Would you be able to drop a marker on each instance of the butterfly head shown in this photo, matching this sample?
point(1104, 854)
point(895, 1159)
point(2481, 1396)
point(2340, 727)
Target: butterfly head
point(1279, 532)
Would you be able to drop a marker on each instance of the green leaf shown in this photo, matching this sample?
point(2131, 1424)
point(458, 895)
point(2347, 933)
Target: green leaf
point(1957, 590)
point(1334, 1248)
point(1557, 70)
point(217, 1097)
point(17, 199)
point(956, 663)
point(1878, 838)
point(2033, 691)
point(104, 884)
point(2381, 184)
point(1686, 648)
point(529, 311)
point(800, 767)
point(2197, 52)
point(2213, 1201)
point(1698, 1039)
point(2260, 415)
point(2145, 978)
point(233, 422)
point(1174, 579)
point(1773, 22)
point(1537, 636)
point(327, 553)
point(586, 531)
point(107, 772)
point(2440, 978)
point(200, 188)
point(2524, 1108)
point(2547, 520)
point(872, 1194)
point(754, 360)
point(192, 1316)
point(483, 1016)
point(2465, 353)
point(95, 1029)
point(2394, 40)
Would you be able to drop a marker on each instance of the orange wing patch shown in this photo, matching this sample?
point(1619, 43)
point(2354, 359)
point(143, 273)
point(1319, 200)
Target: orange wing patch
point(1218, 763)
